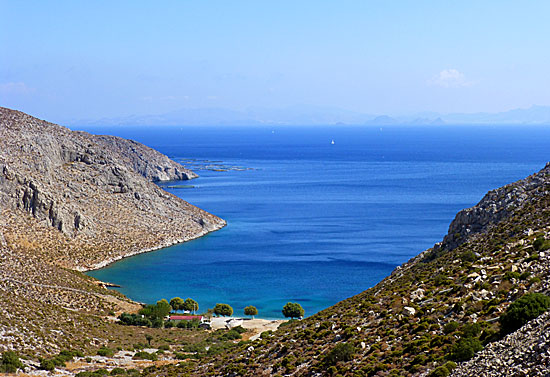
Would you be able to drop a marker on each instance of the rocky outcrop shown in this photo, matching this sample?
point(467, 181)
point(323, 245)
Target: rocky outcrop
point(144, 160)
point(524, 353)
point(495, 206)
point(97, 190)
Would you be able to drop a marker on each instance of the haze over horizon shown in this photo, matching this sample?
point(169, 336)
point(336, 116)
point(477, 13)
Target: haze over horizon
point(74, 60)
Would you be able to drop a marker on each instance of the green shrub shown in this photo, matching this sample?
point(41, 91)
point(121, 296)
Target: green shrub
point(523, 310)
point(231, 335)
point(450, 365)
point(471, 330)
point(157, 323)
point(450, 327)
point(541, 244)
point(439, 372)
point(104, 351)
point(117, 372)
point(465, 348)
point(47, 364)
point(468, 256)
point(342, 352)
point(512, 275)
point(146, 356)
point(266, 334)
point(10, 362)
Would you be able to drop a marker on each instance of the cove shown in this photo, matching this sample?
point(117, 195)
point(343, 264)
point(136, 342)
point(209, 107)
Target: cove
point(314, 222)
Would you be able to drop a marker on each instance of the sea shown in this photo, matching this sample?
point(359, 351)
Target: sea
point(316, 214)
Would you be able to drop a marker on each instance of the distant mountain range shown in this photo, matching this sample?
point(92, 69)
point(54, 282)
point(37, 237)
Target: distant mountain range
point(317, 115)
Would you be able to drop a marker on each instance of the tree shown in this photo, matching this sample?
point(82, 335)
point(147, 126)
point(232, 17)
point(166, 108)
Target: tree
point(163, 308)
point(190, 305)
point(158, 311)
point(251, 310)
point(177, 304)
point(521, 311)
point(293, 310)
point(223, 309)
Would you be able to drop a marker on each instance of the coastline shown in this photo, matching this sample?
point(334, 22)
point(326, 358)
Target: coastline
point(163, 245)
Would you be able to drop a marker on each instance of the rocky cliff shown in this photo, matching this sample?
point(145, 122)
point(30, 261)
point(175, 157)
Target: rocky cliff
point(495, 206)
point(98, 191)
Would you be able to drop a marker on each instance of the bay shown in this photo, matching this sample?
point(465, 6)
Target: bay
point(314, 222)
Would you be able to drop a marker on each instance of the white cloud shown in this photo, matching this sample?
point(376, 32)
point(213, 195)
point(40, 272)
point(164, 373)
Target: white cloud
point(450, 78)
point(15, 88)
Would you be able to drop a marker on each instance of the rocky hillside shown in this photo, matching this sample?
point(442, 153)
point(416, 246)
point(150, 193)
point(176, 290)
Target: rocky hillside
point(73, 201)
point(96, 190)
point(431, 313)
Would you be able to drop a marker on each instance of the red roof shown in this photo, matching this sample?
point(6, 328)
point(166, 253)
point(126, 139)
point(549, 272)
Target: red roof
point(185, 317)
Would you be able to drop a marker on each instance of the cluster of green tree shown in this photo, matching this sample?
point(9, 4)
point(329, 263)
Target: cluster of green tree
point(178, 304)
point(153, 315)
point(10, 362)
point(227, 310)
point(150, 316)
point(134, 320)
point(60, 360)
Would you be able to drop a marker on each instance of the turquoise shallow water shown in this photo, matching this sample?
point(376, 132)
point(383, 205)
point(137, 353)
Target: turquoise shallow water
point(313, 222)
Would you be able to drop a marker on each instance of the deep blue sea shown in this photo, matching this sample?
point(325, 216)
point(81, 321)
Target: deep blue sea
point(313, 222)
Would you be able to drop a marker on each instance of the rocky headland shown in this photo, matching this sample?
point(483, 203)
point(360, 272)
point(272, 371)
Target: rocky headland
point(71, 201)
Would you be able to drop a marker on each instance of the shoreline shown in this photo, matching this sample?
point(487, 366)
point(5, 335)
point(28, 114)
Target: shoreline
point(117, 258)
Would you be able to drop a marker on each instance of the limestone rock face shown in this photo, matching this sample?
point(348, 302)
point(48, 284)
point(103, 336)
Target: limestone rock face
point(496, 205)
point(95, 190)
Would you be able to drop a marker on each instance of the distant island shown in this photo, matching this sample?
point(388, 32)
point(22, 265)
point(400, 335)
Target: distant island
point(318, 115)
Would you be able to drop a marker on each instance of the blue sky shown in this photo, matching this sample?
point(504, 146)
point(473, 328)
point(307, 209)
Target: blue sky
point(84, 59)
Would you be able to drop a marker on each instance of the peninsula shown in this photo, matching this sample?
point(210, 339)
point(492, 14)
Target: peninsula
point(71, 201)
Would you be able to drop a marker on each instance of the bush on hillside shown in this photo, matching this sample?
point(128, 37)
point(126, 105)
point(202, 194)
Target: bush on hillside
point(342, 352)
point(465, 348)
point(521, 311)
point(10, 362)
point(541, 244)
point(439, 372)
